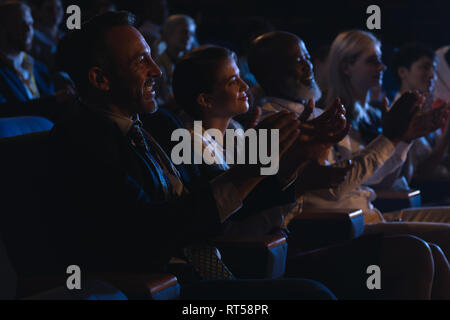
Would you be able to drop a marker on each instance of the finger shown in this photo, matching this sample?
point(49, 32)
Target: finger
point(256, 116)
point(285, 121)
point(404, 104)
point(329, 113)
point(385, 106)
point(286, 130)
point(341, 106)
point(339, 136)
point(308, 110)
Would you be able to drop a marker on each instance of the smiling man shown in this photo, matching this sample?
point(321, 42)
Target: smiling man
point(128, 206)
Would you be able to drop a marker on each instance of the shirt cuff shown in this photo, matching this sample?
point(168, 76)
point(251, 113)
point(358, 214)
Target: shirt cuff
point(402, 149)
point(382, 146)
point(226, 195)
point(285, 184)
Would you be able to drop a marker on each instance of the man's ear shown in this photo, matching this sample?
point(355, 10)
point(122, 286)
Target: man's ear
point(402, 72)
point(204, 100)
point(98, 79)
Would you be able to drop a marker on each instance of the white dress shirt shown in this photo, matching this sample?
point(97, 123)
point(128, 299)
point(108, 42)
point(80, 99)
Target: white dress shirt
point(225, 193)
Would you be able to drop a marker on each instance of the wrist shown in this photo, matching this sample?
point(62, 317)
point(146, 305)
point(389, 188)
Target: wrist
point(394, 141)
point(243, 179)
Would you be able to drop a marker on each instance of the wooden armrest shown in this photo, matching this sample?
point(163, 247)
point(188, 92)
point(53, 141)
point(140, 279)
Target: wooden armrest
point(327, 214)
point(138, 286)
point(253, 257)
point(315, 228)
point(397, 194)
point(391, 200)
point(134, 286)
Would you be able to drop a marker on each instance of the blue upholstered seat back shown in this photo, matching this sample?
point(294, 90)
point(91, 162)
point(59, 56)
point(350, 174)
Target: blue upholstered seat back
point(15, 126)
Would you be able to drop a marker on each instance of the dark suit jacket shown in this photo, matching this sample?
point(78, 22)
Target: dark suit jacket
point(13, 97)
point(267, 194)
point(101, 199)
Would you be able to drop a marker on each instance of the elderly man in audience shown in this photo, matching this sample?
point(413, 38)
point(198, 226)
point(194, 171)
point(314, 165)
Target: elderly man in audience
point(288, 81)
point(26, 87)
point(179, 35)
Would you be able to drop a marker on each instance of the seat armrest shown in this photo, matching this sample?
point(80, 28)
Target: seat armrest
point(391, 200)
point(327, 214)
point(315, 228)
point(154, 286)
point(253, 257)
point(397, 194)
point(151, 286)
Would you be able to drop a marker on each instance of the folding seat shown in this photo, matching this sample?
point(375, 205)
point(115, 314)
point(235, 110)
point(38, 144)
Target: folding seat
point(263, 257)
point(28, 261)
point(14, 126)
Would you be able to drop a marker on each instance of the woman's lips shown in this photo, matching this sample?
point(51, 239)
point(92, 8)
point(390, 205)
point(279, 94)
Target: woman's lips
point(244, 98)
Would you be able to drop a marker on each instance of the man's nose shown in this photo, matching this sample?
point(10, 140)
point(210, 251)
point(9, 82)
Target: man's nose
point(153, 70)
point(306, 67)
point(244, 85)
point(432, 75)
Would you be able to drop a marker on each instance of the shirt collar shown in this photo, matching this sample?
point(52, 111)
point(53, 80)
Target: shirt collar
point(124, 123)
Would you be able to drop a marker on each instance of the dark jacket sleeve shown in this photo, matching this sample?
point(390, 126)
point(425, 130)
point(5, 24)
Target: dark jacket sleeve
point(110, 221)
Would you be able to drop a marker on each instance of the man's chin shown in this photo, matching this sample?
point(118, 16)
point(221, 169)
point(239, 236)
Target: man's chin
point(306, 93)
point(150, 107)
point(297, 91)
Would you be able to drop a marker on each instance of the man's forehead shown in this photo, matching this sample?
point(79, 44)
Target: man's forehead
point(426, 59)
point(296, 47)
point(126, 41)
point(184, 24)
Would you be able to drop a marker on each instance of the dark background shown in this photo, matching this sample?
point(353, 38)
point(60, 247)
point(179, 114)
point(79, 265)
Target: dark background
point(317, 21)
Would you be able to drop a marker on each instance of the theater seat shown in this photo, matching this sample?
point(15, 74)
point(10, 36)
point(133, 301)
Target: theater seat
point(315, 228)
point(254, 257)
point(391, 200)
point(14, 126)
point(28, 263)
point(8, 277)
point(93, 290)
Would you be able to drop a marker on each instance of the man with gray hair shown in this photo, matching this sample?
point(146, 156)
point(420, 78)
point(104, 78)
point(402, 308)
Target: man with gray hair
point(179, 35)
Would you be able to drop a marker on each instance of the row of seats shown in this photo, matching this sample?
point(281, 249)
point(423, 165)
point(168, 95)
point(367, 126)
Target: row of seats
point(29, 267)
point(27, 262)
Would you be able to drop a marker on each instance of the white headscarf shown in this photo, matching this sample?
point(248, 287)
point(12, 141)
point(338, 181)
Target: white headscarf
point(442, 86)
